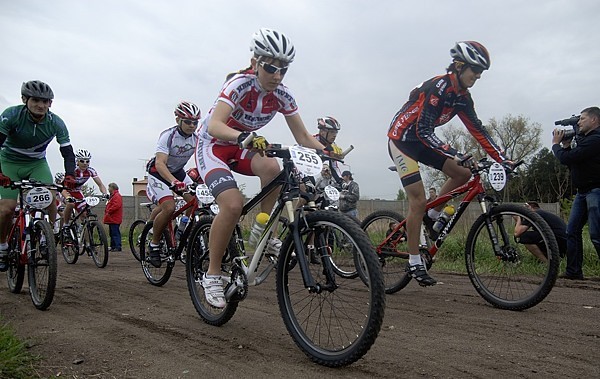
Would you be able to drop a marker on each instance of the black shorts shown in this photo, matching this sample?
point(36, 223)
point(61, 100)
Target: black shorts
point(532, 237)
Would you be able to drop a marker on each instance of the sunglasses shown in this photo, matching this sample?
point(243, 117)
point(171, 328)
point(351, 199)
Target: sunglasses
point(477, 70)
point(271, 69)
point(84, 161)
point(190, 122)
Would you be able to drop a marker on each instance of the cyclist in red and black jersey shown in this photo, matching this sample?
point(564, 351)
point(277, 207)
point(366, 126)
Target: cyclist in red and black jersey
point(412, 138)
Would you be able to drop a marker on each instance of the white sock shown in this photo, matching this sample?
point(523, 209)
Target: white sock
point(433, 214)
point(414, 259)
point(153, 245)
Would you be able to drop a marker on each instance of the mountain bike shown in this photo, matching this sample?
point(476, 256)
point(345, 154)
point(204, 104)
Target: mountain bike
point(502, 271)
point(334, 319)
point(31, 243)
point(135, 231)
point(173, 242)
point(85, 234)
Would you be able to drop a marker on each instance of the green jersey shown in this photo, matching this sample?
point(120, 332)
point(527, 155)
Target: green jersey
point(27, 140)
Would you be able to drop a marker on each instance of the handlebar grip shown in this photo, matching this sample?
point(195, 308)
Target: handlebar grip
point(248, 140)
point(348, 150)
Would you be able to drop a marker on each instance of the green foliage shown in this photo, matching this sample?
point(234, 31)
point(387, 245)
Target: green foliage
point(546, 180)
point(401, 194)
point(15, 361)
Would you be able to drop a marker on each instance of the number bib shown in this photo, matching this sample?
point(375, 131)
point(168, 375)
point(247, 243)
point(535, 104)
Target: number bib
point(306, 160)
point(332, 193)
point(497, 176)
point(203, 194)
point(39, 197)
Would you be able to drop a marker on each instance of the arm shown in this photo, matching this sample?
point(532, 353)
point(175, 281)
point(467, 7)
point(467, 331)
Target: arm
point(587, 148)
point(217, 125)
point(69, 158)
point(100, 185)
point(301, 135)
point(161, 166)
point(519, 227)
point(353, 193)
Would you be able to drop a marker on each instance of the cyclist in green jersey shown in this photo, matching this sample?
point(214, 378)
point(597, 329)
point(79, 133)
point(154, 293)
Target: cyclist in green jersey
point(25, 133)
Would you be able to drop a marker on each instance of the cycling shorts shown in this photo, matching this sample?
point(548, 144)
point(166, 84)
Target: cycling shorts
point(406, 157)
point(215, 163)
point(38, 170)
point(158, 190)
point(79, 196)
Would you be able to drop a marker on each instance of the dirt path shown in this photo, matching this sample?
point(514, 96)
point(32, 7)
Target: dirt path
point(111, 323)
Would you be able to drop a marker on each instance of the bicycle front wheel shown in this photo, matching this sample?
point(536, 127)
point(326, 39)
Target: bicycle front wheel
point(503, 271)
point(97, 243)
point(69, 245)
point(157, 276)
point(16, 269)
point(336, 321)
point(42, 265)
point(135, 234)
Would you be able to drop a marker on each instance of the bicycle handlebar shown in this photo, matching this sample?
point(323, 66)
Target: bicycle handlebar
point(29, 183)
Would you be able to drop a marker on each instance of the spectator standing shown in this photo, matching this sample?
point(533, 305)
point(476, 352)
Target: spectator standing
point(349, 195)
point(583, 161)
point(113, 216)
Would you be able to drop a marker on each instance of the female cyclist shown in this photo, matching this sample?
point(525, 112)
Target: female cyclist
point(246, 103)
point(412, 139)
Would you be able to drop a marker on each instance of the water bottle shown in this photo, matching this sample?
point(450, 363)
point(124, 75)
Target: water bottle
point(181, 226)
point(258, 227)
point(445, 216)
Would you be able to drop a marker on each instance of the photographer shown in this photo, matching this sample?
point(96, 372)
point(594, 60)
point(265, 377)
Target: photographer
point(584, 164)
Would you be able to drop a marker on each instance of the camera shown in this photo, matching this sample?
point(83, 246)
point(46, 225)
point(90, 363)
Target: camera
point(571, 121)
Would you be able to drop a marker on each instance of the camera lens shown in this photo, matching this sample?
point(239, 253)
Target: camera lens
point(568, 134)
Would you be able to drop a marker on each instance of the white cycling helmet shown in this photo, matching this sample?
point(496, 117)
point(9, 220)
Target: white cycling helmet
point(59, 178)
point(328, 123)
point(270, 43)
point(83, 154)
point(187, 110)
point(472, 53)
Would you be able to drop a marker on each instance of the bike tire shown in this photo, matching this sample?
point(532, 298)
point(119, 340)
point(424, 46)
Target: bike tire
point(15, 274)
point(197, 261)
point(134, 236)
point(518, 280)
point(157, 276)
point(392, 266)
point(42, 266)
point(69, 247)
point(334, 324)
point(97, 243)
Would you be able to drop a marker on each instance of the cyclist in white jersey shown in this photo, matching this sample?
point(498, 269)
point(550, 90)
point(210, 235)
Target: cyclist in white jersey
point(246, 103)
point(166, 171)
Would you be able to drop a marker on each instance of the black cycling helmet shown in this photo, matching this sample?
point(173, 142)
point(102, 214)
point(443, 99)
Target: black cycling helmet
point(35, 88)
point(472, 53)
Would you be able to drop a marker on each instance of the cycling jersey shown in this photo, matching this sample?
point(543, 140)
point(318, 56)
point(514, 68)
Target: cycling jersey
point(82, 176)
point(178, 147)
point(253, 108)
point(434, 103)
point(27, 140)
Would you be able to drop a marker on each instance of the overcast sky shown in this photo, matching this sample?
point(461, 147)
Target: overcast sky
point(119, 67)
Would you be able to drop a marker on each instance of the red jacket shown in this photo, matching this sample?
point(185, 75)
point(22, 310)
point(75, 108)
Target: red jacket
point(114, 209)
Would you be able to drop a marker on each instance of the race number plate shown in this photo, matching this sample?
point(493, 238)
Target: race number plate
point(332, 193)
point(306, 160)
point(203, 194)
point(497, 176)
point(39, 197)
point(92, 201)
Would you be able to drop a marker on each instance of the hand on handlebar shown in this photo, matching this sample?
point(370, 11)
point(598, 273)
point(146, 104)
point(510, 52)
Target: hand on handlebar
point(4, 180)
point(465, 160)
point(257, 142)
point(176, 185)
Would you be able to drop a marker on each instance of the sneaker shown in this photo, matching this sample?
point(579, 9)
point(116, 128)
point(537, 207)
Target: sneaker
point(154, 255)
point(571, 277)
point(213, 290)
point(3, 260)
point(273, 247)
point(419, 273)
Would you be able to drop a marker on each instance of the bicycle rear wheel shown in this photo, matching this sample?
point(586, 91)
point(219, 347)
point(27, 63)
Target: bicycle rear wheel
point(157, 276)
point(196, 266)
point(16, 269)
point(69, 246)
point(135, 233)
point(393, 257)
point(335, 322)
point(97, 243)
point(42, 265)
point(510, 277)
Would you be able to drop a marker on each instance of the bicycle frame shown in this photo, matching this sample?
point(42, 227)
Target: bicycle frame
point(473, 189)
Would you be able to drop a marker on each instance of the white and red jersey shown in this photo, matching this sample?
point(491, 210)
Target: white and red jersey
point(252, 106)
point(82, 176)
point(178, 147)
